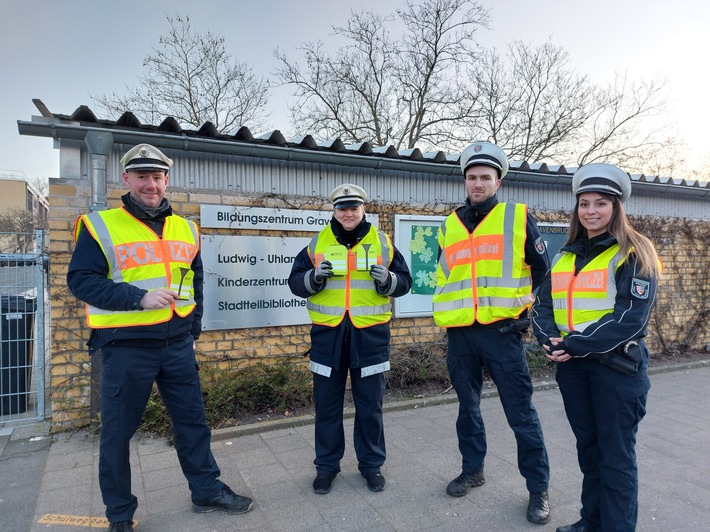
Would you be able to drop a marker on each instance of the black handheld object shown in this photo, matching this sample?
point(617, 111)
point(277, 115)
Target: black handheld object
point(626, 358)
point(519, 325)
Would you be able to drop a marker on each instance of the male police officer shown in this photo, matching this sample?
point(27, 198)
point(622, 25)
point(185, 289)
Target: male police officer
point(139, 270)
point(491, 260)
point(348, 273)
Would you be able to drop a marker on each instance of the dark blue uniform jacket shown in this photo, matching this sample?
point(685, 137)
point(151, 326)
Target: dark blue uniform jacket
point(368, 346)
point(87, 280)
point(627, 321)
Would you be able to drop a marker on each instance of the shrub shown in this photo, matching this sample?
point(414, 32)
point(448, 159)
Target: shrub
point(235, 394)
point(418, 365)
point(230, 395)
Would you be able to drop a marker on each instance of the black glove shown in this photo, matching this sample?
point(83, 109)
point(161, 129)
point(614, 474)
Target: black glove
point(322, 272)
point(559, 347)
point(380, 274)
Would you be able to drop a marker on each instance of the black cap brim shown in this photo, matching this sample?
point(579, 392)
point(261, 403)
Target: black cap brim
point(348, 203)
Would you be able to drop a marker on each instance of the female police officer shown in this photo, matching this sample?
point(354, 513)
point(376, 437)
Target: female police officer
point(591, 315)
point(348, 272)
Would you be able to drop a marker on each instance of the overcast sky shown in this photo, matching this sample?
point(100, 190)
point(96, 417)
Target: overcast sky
point(64, 51)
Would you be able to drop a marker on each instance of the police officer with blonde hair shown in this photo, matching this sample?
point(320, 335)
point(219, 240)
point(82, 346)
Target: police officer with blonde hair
point(139, 271)
point(349, 272)
point(491, 260)
point(591, 316)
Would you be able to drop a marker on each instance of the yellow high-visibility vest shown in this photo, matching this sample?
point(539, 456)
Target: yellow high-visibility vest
point(355, 291)
point(482, 276)
point(582, 299)
point(136, 255)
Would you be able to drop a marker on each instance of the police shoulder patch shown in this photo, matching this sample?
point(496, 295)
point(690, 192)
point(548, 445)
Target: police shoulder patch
point(540, 245)
point(640, 288)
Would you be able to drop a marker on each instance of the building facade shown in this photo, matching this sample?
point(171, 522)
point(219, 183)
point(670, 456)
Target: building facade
point(272, 174)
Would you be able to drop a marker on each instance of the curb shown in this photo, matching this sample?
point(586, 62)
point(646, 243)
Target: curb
point(227, 433)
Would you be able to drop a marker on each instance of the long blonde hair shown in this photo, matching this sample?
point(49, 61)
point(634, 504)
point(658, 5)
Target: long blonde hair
point(627, 237)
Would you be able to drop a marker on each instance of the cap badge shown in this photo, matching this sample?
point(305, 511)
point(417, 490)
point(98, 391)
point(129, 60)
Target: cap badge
point(477, 148)
point(144, 153)
point(346, 191)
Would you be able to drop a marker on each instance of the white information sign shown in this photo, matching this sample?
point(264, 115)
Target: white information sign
point(246, 282)
point(238, 217)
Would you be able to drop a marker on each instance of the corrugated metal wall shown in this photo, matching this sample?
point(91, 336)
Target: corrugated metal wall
point(215, 173)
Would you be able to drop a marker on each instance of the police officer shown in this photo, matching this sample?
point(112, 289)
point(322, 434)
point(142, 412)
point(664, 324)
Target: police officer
point(591, 316)
point(138, 269)
point(491, 260)
point(348, 273)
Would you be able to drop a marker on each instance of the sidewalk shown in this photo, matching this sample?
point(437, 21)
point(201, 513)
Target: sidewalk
point(274, 464)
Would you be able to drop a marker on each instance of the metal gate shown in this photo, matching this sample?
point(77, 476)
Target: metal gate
point(24, 326)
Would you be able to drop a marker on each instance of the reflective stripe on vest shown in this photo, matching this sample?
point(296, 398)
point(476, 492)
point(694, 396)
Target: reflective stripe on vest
point(355, 292)
point(136, 255)
point(493, 255)
point(582, 299)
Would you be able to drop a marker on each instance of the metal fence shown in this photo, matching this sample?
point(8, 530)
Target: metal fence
point(24, 326)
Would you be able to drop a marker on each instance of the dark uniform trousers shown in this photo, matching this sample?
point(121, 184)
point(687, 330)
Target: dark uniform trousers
point(604, 408)
point(470, 350)
point(129, 370)
point(368, 431)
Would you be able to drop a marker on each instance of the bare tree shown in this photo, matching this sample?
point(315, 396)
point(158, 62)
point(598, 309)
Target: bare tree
point(533, 104)
point(538, 108)
point(41, 184)
point(433, 87)
point(668, 158)
point(192, 78)
point(612, 131)
point(388, 91)
point(17, 228)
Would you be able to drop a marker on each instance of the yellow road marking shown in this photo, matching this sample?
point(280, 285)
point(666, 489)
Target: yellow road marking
point(76, 520)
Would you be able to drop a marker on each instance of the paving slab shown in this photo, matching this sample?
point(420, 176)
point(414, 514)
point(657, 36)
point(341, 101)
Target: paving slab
point(50, 482)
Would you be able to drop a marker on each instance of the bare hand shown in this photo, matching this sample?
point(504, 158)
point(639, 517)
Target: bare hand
point(556, 355)
point(158, 298)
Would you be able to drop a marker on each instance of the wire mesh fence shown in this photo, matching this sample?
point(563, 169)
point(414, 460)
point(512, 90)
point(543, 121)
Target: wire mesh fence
point(23, 325)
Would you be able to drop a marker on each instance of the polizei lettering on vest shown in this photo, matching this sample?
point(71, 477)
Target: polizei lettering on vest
point(137, 254)
point(487, 249)
point(594, 280)
point(236, 259)
point(182, 251)
point(460, 254)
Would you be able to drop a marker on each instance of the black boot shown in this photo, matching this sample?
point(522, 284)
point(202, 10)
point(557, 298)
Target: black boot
point(461, 485)
point(539, 508)
point(576, 527)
